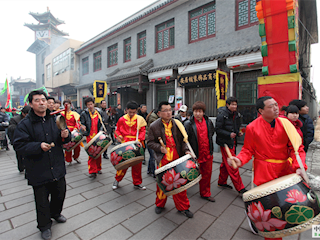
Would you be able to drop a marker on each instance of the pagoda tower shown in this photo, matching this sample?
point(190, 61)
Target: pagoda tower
point(46, 27)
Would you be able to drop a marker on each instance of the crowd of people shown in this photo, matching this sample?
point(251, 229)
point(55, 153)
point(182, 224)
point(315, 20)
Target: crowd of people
point(38, 143)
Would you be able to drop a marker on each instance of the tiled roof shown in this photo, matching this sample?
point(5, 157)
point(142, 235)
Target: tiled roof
point(206, 59)
point(130, 71)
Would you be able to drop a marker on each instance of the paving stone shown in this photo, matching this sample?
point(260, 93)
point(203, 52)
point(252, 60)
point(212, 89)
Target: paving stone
point(73, 200)
point(223, 200)
point(238, 202)
point(70, 236)
point(219, 230)
point(173, 214)
point(193, 227)
point(91, 203)
point(76, 222)
point(123, 201)
point(242, 234)
point(295, 237)
point(96, 228)
point(2, 208)
point(24, 218)
point(5, 226)
point(96, 192)
point(152, 186)
point(76, 178)
point(13, 184)
point(16, 211)
point(15, 190)
point(118, 233)
point(21, 232)
point(142, 219)
point(148, 200)
point(157, 230)
point(19, 201)
point(233, 215)
point(196, 202)
point(81, 189)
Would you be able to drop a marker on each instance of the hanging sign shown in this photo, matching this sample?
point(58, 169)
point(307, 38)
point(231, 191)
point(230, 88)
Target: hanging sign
point(99, 90)
point(196, 78)
point(221, 88)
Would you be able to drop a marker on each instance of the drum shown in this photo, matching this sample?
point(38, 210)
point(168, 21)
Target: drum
point(282, 207)
point(98, 144)
point(76, 139)
point(178, 175)
point(126, 155)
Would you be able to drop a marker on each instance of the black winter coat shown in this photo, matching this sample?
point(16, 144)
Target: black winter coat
point(12, 125)
point(41, 167)
point(85, 120)
point(227, 123)
point(191, 128)
point(307, 130)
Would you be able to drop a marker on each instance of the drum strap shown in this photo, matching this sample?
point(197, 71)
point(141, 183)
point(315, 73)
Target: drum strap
point(275, 160)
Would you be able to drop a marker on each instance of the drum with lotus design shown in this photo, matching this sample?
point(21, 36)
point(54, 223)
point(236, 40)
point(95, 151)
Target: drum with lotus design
point(282, 207)
point(76, 139)
point(127, 154)
point(178, 175)
point(98, 144)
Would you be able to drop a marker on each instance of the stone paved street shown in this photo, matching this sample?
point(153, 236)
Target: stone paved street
point(95, 211)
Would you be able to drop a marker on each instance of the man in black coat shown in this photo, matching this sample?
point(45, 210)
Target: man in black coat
point(227, 129)
point(39, 140)
point(12, 127)
point(200, 132)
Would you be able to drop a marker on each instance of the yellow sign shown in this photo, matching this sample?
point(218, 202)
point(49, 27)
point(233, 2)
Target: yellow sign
point(99, 90)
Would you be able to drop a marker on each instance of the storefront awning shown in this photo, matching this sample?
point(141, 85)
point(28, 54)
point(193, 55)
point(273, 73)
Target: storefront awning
point(199, 67)
point(251, 58)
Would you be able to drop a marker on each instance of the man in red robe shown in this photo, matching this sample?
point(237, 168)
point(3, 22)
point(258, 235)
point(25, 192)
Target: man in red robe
point(166, 128)
point(200, 131)
point(91, 123)
point(127, 130)
point(73, 122)
point(267, 141)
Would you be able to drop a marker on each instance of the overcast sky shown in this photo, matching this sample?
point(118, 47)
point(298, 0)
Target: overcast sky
point(84, 19)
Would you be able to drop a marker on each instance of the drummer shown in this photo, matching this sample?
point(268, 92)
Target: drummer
point(268, 142)
point(73, 122)
point(166, 128)
point(91, 123)
point(128, 127)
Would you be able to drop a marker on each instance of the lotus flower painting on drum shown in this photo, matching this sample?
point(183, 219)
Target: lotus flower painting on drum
point(98, 144)
point(76, 139)
point(171, 180)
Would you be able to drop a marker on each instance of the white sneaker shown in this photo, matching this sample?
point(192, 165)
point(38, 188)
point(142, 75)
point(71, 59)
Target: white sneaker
point(77, 160)
point(115, 185)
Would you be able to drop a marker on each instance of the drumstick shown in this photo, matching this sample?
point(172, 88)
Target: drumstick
point(161, 142)
point(234, 165)
point(52, 144)
point(116, 134)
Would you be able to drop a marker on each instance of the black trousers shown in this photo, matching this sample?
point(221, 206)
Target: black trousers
point(20, 162)
point(47, 209)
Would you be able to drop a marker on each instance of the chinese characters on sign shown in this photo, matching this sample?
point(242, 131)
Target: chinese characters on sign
point(196, 78)
point(99, 90)
point(221, 88)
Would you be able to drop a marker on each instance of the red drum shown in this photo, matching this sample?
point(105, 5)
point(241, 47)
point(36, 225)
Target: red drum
point(127, 154)
point(98, 144)
point(282, 207)
point(76, 139)
point(178, 175)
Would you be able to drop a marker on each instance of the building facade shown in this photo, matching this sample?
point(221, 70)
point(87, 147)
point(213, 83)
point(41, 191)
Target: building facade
point(19, 89)
point(174, 48)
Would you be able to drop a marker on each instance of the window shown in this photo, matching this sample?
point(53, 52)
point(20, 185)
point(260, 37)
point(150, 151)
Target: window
point(246, 93)
point(85, 65)
point(97, 61)
point(142, 44)
point(246, 14)
point(48, 72)
point(202, 22)
point(165, 36)
point(113, 55)
point(127, 50)
point(63, 61)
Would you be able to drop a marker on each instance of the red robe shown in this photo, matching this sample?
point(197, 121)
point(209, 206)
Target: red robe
point(127, 128)
point(181, 200)
point(272, 151)
point(73, 121)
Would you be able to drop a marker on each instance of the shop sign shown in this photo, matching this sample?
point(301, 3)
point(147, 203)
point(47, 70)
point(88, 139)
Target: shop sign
point(197, 78)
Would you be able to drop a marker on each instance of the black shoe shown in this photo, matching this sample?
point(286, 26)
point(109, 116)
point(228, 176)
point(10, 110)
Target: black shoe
point(46, 234)
point(159, 210)
point(225, 186)
point(210, 199)
point(140, 187)
point(60, 219)
point(99, 172)
point(242, 191)
point(7, 148)
point(144, 162)
point(93, 175)
point(105, 157)
point(187, 213)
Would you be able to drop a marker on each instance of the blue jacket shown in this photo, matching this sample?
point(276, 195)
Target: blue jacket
point(307, 130)
point(41, 167)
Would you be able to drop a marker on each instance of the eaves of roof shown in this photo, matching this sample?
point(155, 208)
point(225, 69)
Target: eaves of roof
point(206, 59)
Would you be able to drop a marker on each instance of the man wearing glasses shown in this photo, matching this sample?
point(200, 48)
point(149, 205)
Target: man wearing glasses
point(39, 140)
point(166, 128)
